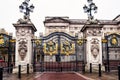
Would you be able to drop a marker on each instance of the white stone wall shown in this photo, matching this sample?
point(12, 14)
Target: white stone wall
point(56, 27)
point(73, 29)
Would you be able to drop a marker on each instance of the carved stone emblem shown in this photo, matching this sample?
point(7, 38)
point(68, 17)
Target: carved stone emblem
point(22, 31)
point(94, 32)
point(22, 49)
point(95, 47)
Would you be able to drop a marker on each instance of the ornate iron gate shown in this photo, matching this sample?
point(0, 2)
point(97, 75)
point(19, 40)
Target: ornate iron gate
point(111, 51)
point(7, 50)
point(58, 52)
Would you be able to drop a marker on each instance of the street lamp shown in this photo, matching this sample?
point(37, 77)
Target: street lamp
point(26, 8)
point(88, 9)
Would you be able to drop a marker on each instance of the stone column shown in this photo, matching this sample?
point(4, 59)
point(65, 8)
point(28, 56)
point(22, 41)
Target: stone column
point(24, 33)
point(93, 35)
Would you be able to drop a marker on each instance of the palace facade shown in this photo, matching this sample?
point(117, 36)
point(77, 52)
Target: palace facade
point(74, 26)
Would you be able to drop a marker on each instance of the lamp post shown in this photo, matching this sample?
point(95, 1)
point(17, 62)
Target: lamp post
point(88, 9)
point(26, 8)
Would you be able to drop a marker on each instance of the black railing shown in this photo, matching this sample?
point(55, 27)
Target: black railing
point(6, 71)
point(59, 66)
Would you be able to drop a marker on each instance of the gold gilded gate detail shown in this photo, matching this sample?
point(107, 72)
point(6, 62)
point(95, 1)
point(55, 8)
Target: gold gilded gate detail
point(50, 48)
point(67, 48)
point(1, 40)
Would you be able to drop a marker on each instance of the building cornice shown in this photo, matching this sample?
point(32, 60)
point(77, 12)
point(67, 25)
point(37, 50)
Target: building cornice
point(26, 25)
point(78, 21)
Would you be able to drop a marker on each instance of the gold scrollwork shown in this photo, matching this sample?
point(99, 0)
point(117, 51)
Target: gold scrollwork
point(50, 48)
point(114, 40)
point(1, 39)
point(67, 48)
point(38, 42)
point(80, 41)
point(104, 40)
point(12, 40)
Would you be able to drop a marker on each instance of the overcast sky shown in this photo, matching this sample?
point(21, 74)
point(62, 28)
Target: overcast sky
point(9, 11)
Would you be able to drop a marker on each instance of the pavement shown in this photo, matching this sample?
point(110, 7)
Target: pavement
point(105, 76)
point(63, 76)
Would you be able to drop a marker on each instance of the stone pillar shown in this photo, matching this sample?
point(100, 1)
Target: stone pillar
point(93, 35)
point(24, 33)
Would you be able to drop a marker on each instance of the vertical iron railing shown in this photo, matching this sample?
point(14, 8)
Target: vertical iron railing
point(84, 55)
point(1, 73)
point(34, 55)
point(108, 65)
point(9, 55)
point(118, 72)
point(76, 53)
point(100, 73)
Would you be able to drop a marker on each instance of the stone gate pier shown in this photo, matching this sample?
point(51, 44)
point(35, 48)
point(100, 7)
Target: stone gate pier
point(93, 35)
point(24, 33)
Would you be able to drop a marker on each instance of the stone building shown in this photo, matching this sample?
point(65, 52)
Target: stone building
point(73, 26)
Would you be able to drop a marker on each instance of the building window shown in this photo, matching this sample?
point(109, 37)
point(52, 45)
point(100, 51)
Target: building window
point(104, 28)
point(62, 27)
point(118, 28)
point(111, 28)
point(115, 56)
point(50, 27)
point(71, 28)
point(115, 51)
point(75, 28)
point(72, 32)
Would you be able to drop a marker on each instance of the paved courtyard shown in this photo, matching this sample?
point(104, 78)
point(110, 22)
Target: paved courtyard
point(63, 76)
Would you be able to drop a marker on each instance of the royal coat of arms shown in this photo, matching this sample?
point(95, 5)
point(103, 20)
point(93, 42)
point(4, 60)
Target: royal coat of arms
point(1, 40)
point(50, 47)
point(67, 48)
point(95, 47)
point(114, 41)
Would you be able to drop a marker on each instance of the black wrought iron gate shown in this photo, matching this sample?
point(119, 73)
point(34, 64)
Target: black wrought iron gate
point(57, 52)
point(111, 51)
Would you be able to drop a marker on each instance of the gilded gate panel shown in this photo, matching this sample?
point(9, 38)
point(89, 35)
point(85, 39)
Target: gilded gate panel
point(67, 47)
point(4, 41)
point(112, 46)
point(57, 46)
point(50, 47)
point(59, 51)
